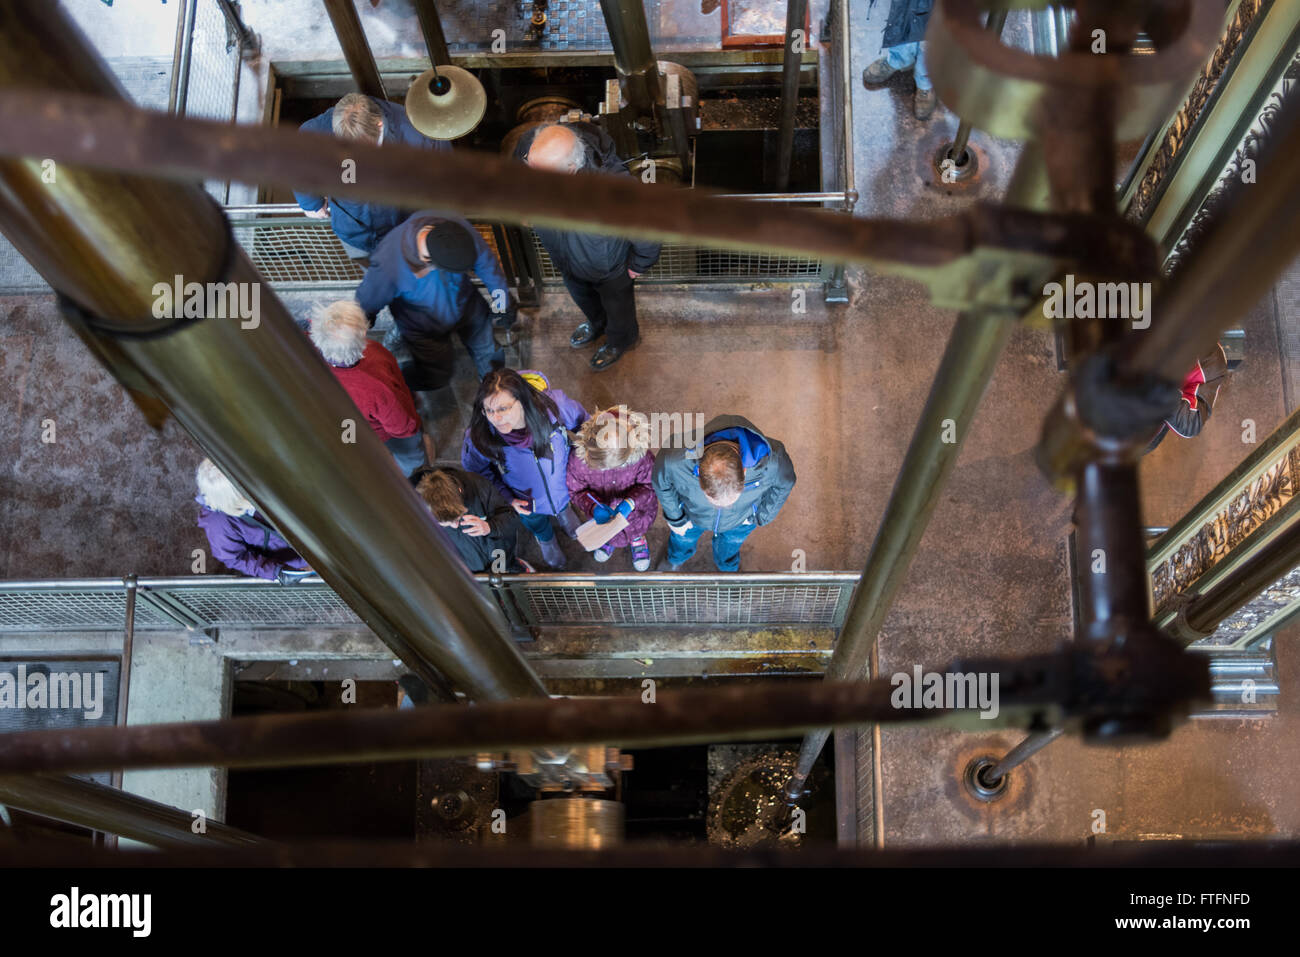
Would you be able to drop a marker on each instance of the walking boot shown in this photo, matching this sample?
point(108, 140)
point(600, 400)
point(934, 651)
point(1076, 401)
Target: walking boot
point(552, 554)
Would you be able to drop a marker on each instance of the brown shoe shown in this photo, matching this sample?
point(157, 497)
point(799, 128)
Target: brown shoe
point(877, 73)
point(924, 103)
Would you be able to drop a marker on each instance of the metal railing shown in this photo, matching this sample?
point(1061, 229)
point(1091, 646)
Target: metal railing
point(206, 66)
point(298, 253)
point(814, 599)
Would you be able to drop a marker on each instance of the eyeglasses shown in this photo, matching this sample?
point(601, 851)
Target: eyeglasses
point(499, 412)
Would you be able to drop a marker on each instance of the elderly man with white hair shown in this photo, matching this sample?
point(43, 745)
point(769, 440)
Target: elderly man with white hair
point(371, 376)
point(598, 270)
point(241, 538)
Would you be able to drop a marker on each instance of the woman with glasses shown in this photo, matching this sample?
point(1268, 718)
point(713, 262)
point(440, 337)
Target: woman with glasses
point(518, 439)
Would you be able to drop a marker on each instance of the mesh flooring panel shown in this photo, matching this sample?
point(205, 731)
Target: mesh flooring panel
point(267, 606)
point(679, 262)
point(680, 604)
point(297, 252)
point(289, 251)
point(73, 611)
point(305, 252)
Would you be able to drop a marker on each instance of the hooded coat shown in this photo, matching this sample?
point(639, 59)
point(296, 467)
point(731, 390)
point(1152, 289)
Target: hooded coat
point(907, 22)
point(587, 256)
point(629, 476)
point(483, 500)
point(521, 474)
point(247, 543)
point(435, 302)
point(769, 478)
point(358, 224)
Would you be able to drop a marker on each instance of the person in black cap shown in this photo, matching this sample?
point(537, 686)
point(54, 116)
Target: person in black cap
point(420, 271)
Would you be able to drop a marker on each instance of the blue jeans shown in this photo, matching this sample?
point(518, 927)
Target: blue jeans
point(726, 546)
point(910, 56)
point(539, 525)
point(409, 452)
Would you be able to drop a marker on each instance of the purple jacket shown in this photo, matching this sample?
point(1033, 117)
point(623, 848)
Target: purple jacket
point(523, 474)
point(628, 475)
point(247, 544)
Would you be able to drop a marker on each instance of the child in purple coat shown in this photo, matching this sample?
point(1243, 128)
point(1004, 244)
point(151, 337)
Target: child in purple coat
point(609, 474)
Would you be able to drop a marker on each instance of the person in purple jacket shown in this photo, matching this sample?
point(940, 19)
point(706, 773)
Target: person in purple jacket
point(518, 440)
point(610, 474)
point(240, 538)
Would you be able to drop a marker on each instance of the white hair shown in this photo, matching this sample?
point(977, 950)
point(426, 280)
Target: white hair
point(339, 332)
point(576, 157)
point(218, 491)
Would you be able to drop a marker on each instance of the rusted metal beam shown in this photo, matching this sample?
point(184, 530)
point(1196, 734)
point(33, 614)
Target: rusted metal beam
point(1069, 689)
point(109, 134)
point(356, 48)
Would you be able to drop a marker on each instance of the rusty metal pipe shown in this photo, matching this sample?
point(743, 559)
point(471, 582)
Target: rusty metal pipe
point(257, 397)
point(105, 134)
point(1029, 692)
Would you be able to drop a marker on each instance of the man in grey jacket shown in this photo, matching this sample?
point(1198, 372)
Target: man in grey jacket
point(598, 270)
point(732, 481)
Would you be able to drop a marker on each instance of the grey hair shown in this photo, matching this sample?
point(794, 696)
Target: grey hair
point(577, 155)
point(218, 491)
point(338, 331)
point(356, 117)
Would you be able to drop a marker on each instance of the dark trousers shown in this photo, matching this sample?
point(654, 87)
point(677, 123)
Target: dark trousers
point(540, 525)
point(433, 359)
point(608, 305)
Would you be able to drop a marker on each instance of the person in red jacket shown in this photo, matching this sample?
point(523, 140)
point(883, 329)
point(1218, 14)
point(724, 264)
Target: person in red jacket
point(1200, 390)
point(373, 379)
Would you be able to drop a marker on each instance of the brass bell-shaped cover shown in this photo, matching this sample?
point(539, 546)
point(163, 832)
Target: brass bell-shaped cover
point(446, 103)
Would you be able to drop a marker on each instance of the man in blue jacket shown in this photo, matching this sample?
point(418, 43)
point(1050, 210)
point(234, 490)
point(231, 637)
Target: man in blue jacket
point(420, 272)
point(729, 483)
point(598, 270)
point(358, 225)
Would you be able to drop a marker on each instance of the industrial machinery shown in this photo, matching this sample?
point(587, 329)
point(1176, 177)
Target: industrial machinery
point(563, 762)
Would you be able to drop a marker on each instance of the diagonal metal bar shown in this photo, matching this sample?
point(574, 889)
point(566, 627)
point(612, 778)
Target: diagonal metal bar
point(356, 48)
point(110, 134)
point(96, 806)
